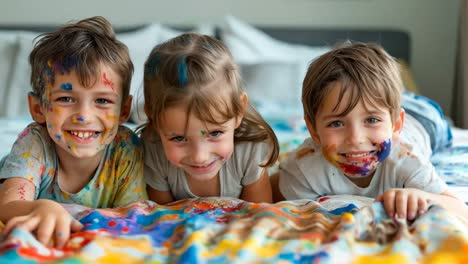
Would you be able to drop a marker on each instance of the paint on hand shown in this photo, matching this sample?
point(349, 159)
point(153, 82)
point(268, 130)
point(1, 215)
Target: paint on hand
point(182, 71)
point(106, 81)
point(66, 86)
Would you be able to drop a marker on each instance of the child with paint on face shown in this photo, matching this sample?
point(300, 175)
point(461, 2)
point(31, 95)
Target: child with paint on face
point(202, 137)
point(75, 152)
point(351, 98)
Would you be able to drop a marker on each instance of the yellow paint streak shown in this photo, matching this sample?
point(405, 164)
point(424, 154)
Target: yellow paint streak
point(382, 259)
point(117, 250)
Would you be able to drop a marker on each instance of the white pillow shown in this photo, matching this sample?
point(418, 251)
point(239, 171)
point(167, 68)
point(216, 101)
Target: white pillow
point(140, 43)
point(8, 49)
point(255, 51)
point(17, 94)
point(263, 79)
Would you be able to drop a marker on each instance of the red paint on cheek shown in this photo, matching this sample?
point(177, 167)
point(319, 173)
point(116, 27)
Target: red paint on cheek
point(107, 82)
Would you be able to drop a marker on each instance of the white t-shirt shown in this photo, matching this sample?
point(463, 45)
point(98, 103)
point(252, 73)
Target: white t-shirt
point(306, 174)
point(242, 168)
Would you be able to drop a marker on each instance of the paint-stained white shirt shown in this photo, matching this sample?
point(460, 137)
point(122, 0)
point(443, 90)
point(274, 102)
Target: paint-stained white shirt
point(306, 174)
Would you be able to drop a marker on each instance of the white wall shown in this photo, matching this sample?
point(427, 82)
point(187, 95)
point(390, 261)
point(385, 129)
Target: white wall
point(431, 23)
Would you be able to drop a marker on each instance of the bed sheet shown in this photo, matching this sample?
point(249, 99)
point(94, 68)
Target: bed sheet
point(340, 229)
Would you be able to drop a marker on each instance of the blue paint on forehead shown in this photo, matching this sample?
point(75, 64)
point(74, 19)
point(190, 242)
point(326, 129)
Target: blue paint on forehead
point(66, 86)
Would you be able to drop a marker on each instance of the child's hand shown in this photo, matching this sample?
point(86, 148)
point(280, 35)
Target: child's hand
point(404, 203)
point(49, 219)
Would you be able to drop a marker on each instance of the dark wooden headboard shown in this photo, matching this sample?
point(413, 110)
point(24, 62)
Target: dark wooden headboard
point(395, 42)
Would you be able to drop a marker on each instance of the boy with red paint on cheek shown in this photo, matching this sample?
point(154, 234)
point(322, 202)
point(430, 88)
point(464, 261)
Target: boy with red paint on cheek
point(76, 151)
point(362, 143)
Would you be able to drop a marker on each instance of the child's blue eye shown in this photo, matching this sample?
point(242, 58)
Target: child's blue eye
point(102, 101)
point(372, 120)
point(216, 133)
point(178, 139)
point(335, 124)
point(64, 99)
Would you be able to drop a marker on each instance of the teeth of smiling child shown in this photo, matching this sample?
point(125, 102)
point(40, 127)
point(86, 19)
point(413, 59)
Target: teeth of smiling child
point(356, 155)
point(82, 135)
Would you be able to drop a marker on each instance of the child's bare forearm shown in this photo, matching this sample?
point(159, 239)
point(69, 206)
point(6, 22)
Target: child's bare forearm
point(11, 209)
point(450, 202)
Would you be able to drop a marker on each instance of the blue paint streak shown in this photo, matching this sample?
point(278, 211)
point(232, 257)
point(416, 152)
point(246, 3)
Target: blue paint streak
point(182, 71)
point(385, 150)
point(346, 209)
point(66, 86)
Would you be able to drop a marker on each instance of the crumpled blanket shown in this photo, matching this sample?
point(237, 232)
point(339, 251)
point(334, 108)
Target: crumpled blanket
point(217, 230)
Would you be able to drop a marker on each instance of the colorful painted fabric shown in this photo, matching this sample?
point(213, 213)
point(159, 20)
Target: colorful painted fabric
point(215, 230)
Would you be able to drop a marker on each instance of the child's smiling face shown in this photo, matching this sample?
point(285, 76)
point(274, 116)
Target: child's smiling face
point(199, 148)
point(355, 143)
point(83, 120)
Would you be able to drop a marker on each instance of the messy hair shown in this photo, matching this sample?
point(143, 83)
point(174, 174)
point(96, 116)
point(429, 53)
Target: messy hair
point(80, 46)
point(366, 71)
point(193, 70)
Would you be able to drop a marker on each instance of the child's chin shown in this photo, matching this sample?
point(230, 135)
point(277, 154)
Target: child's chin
point(83, 154)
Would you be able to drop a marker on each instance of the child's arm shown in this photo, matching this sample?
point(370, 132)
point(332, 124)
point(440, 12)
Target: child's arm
point(259, 191)
point(409, 202)
point(274, 181)
point(159, 197)
point(19, 209)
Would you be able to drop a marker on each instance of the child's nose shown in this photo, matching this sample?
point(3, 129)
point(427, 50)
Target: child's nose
point(200, 153)
point(354, 136)
point(83, 114)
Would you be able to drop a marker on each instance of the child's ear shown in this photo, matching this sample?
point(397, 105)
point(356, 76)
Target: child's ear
point(398, 124)
point(244, 98)
point(35, 108)
point(126, 110)
point(312, 132)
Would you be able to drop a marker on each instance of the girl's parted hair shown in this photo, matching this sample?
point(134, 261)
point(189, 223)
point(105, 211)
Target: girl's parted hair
point(198, 71)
